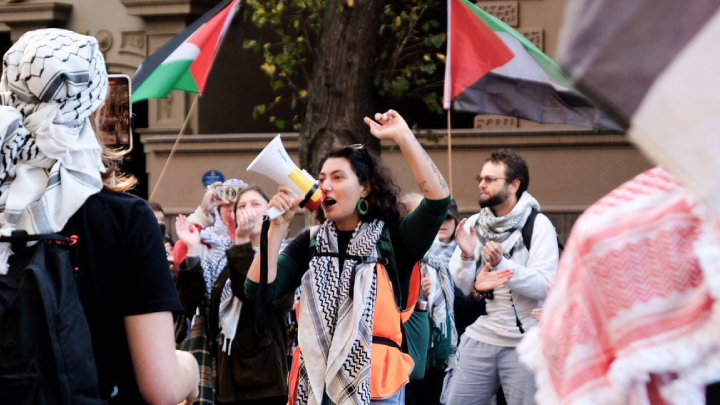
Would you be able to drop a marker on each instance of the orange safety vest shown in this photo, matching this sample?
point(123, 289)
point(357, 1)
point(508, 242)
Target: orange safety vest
point(390, 368)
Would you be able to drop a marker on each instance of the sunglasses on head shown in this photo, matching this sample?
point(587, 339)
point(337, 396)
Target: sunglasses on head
point(360, 147)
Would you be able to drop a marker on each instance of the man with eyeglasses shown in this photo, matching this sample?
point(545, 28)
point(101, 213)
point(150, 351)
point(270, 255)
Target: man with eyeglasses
point(494, 261)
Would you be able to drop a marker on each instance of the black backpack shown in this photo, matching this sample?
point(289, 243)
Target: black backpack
point(46, 354)
point(527, 231)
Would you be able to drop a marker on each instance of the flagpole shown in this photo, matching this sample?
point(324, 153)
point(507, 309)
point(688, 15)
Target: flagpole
point(449, 141)
point(177, 141)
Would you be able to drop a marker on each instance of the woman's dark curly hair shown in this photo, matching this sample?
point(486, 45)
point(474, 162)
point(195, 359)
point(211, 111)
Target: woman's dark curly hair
point(383, 197)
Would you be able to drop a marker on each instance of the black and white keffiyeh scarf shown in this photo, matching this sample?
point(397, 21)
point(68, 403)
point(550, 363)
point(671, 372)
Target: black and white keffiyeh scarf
point(214, 263)
point(336, 321)
point(506, 230)
point(435, 264)
point(51, 161)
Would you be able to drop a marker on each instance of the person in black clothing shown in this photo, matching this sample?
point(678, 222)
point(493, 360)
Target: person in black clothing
point(56, 177)
point(128, 296)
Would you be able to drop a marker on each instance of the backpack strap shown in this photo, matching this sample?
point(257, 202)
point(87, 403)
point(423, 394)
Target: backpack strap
point(386, 251)
point(528, 228)
point(385, 257)
point(527, 231)
point(19, 238)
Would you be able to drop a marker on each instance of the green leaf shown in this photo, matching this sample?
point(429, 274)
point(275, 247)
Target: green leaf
point(436, 41)
point(280, 124)
point(259, 110)
point(277, 85)
point(432, 102)
point(430, 68)
point(250, 44)
point(400, 86)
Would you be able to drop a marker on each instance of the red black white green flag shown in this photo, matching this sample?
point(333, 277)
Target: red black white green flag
point(184, 63)
point(493, 69)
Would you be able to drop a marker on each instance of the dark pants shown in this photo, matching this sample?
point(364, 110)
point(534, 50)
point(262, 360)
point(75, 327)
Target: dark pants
point(426, 391)
point(262, 401)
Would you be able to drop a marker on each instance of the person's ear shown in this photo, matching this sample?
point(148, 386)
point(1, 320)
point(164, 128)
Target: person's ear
point(365, 190)
point(514, 186)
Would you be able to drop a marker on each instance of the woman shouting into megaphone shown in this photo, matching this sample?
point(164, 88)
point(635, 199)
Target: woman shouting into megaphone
point(357, 271)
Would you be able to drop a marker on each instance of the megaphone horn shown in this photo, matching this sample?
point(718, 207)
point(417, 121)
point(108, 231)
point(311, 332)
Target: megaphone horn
point(275, 163)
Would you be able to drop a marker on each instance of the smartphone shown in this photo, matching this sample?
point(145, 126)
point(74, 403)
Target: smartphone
point(116, 116)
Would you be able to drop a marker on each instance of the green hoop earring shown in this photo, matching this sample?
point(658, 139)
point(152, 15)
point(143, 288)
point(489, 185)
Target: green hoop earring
point(363, 210)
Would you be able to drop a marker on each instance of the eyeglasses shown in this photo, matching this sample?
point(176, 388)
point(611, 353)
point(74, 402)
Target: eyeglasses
point(488, 179)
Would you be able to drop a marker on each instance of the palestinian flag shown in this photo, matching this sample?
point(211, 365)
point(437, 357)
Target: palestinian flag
point(493, 69)
point(184, 63)
point(653, 66)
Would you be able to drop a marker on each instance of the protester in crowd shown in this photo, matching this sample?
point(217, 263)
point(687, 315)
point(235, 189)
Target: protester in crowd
point(159, 215)
point(346, 305)
point(214, 240)
point(249, 368)
point(169, 245)
point(48, 119)
point(522, 271)
point(214, 217)
point(438, 289)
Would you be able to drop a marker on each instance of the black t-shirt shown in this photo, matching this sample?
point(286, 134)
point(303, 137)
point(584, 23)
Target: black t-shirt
point(123, 271)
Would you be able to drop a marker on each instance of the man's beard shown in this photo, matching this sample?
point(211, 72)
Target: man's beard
point(495, 200)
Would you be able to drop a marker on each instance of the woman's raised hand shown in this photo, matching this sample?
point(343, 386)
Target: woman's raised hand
point(389, 125)
point(285, 200)
point(188, 234)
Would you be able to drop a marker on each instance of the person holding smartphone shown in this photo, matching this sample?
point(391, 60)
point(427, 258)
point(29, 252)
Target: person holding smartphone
point(57, 177)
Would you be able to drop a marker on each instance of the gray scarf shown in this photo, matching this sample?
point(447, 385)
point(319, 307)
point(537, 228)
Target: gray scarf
point(508, 228)
point(435, 264)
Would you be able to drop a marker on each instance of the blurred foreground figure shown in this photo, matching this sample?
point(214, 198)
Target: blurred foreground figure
point(55, 176)
point(632, 318)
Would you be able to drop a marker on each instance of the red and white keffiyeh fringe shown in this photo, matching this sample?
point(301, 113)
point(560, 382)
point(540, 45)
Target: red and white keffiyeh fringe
point(633, 317)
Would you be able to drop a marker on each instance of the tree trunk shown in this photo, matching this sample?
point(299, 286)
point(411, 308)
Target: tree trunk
point(340, 89)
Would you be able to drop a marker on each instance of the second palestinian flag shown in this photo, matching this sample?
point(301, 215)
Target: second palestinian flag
point(493, 69)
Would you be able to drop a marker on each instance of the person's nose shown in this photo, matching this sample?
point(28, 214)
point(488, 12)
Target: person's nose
point(325, 185)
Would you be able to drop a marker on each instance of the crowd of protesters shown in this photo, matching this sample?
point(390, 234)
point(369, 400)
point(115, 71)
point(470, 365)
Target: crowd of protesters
point(386, 300)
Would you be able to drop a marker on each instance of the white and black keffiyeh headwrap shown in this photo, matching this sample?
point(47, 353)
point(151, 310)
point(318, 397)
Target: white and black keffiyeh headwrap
point(218, 233)
point(50, 159)
point(336, 321)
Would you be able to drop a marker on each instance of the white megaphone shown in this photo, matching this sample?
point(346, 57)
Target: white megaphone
point(275, 163)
